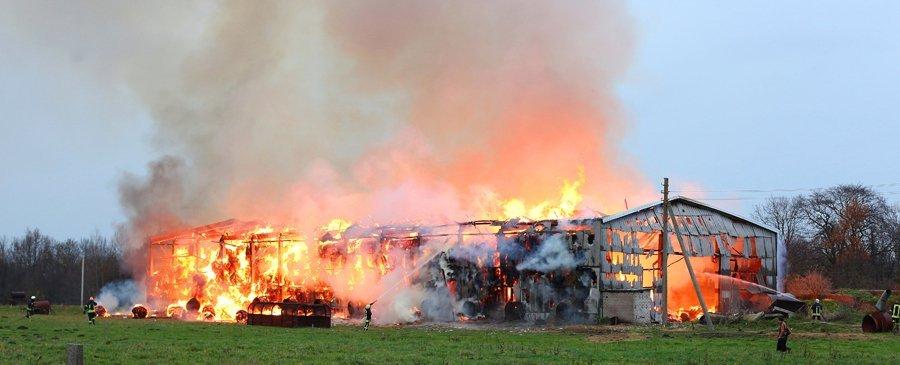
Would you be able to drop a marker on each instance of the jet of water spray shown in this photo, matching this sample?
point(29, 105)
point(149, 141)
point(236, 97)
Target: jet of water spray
point(746, 283)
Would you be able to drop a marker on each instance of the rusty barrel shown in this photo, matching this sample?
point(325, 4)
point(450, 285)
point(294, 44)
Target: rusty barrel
point(42, 307)
point(877, 322)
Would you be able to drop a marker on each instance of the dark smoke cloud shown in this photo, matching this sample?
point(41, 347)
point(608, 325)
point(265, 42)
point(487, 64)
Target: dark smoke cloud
point(154, 203)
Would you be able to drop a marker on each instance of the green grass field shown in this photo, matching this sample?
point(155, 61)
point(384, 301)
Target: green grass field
point(43, 339)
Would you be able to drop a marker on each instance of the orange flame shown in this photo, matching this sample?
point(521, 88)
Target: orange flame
point(224, 274)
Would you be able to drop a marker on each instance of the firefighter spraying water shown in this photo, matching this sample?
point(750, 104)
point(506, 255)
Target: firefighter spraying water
point(368, 316)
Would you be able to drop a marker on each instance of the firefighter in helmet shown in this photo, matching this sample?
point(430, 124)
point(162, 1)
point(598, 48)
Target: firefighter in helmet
point(817, 311)
point(368, 315)
point(90, 310)
point(29, 307)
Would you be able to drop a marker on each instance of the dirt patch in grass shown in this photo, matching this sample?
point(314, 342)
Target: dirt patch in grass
point(617, 337)
point(794, 335)
point(837, 336)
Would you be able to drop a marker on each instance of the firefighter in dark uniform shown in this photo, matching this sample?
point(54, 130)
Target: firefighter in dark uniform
point(895, 316)
point(368, 315)
point(29, 307)
point(90, 310)
point(817, 311)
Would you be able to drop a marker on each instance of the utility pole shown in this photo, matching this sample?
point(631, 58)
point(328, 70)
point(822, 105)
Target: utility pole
point(664, 254)
point(687, 261)
point(81, 298)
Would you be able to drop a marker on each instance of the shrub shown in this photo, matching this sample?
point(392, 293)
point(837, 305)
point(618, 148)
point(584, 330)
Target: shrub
point(842, 298)
point(810, 286)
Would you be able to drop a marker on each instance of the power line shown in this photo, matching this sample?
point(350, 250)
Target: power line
point(766, 197)
point(780, 190)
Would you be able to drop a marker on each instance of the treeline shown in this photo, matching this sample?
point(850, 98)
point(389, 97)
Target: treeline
point(50, 269)
point(848, 233)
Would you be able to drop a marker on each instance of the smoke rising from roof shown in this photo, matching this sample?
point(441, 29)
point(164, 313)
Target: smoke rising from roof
point(303, 111)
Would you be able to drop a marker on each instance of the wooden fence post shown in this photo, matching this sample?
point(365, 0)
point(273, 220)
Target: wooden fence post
point(75, 354)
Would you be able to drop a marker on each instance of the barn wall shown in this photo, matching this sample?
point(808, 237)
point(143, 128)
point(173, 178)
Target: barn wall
point(624, 251)
point(628, 306)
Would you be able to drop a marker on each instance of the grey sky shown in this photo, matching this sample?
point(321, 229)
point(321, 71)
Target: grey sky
point(762, 95)
point(744, 96)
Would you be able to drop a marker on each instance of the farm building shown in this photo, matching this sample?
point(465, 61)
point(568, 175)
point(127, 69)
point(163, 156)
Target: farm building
point(536, 271)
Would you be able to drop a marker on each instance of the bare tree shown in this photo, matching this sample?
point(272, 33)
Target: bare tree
point(786, 215)
point(848, 217)
point(783, 213)
point(51, 269)
point(847, 232)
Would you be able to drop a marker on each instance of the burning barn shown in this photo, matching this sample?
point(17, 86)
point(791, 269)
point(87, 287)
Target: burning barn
point(523, 270)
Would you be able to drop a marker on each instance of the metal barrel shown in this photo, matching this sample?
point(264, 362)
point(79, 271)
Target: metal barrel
point(42, 307)
point(877, 322)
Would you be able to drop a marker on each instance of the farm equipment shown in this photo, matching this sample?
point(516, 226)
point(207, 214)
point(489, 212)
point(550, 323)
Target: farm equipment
point(287, 314)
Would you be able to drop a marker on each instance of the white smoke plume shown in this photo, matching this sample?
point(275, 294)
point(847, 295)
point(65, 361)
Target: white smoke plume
point(553, 254)
point(402, 295)
point(121, 296)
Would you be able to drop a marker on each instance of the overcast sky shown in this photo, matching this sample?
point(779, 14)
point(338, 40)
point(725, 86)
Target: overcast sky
point(766, 95)
point(748, 96)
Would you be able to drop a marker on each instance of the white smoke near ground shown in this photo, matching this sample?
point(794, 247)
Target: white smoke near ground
point(401, 306)
point(552, 255)
point(121, 296)
point(438, 305)
point(402, 297)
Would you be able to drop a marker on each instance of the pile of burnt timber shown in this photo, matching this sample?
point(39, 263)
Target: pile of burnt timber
point(287, 314)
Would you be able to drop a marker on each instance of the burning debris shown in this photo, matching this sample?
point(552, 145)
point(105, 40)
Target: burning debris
point(531, 270)
point(139, 312)
point(101, 311)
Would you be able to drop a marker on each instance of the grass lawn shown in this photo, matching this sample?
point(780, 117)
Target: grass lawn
point(43, 339)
